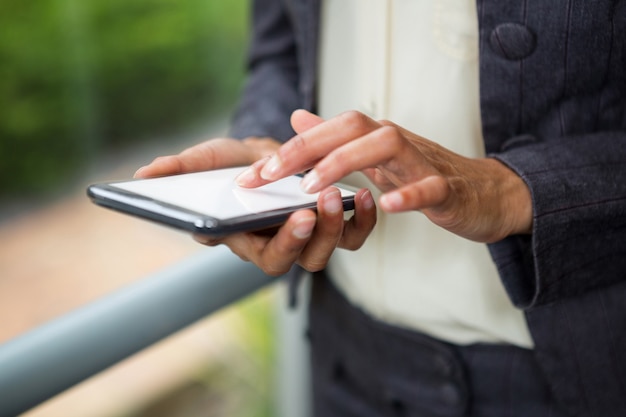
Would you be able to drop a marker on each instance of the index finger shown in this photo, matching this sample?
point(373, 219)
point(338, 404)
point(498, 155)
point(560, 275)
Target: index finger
point(308, 147)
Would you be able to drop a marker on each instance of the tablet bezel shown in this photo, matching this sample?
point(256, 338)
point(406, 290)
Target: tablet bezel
point(132, 203)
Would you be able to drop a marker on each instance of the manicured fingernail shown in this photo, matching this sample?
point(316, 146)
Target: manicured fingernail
point(332, 202)
point(246, 177)
point(367, 200)
point(310, 181)
point(391, 200)
point(138, 172)
point(304, 228)
point(271, 168)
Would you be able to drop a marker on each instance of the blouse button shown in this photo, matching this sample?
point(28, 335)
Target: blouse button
point(512, 41)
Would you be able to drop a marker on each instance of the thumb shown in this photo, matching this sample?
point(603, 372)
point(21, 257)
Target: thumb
point(427, 193)
point(302, 120)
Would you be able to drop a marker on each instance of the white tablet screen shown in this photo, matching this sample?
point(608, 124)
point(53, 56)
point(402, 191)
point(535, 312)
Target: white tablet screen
point(216, 194)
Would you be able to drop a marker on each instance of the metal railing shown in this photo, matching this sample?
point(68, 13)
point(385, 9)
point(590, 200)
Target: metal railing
point(56, 356)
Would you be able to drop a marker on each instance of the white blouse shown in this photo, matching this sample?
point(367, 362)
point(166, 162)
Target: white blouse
point(415, 62)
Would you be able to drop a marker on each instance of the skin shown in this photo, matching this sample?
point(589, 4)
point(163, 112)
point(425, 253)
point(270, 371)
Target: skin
point(477, 198)
point(307, 238)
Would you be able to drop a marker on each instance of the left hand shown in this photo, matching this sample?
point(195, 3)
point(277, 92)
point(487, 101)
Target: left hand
point(477, 198)
point(308, 238)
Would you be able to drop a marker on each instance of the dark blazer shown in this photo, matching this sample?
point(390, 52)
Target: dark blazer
point(553, 106)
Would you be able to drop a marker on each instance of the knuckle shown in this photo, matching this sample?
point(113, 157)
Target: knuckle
point(314, 265)
point(203, 155)
point(273, 270)
point(353, 244)
point(175, 163)
point(392, 132)
point(354, 118)
point(210, 154)
point(335, 160)
point(393, 137)
point(298, 142)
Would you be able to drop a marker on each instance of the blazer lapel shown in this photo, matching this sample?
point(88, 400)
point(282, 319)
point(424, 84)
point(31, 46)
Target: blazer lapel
point(305, 17)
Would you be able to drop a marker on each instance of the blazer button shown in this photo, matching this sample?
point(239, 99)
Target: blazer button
point(512, 41)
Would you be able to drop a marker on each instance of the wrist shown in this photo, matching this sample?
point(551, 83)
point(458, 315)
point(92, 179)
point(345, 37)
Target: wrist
point(516, 199)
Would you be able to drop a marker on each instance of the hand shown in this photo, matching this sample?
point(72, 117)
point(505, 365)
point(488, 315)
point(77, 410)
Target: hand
point(306, 238)
point(211, 154)
point(477, 198)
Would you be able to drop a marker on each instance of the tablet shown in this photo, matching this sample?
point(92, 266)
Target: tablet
point(209, 202)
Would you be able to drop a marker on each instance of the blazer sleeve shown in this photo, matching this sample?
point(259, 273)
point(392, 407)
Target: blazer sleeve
point(553, 107)
point(271, 90)
point(578, 243)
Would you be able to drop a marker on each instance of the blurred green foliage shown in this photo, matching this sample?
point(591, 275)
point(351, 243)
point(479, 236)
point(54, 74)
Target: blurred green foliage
point(246, 380)
point(77, 78)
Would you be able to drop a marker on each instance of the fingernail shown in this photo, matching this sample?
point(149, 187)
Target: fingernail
point(332, 202)
point(367, 200)
point(138, 172)
point(246, 177)
point(304, 228)
point(271, 168)
point(392, 200)
point(310, 181)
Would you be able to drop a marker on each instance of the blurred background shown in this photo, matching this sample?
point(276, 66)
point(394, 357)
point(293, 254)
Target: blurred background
point(90, 91)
